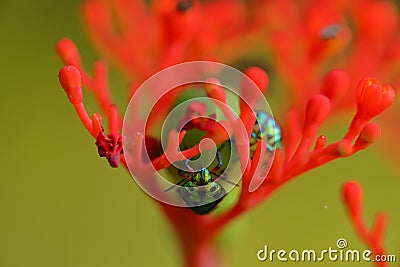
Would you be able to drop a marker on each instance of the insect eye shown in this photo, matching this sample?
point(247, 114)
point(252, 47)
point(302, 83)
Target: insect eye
point(213, 189)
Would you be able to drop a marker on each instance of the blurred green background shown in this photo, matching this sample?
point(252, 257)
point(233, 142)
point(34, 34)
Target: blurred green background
point(61, 205)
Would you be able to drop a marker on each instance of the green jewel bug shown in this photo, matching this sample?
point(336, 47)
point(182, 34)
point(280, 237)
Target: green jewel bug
point(265, 127)
point(202, 188)
point(199, 187)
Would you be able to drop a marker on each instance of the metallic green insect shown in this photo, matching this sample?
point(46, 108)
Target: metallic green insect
point(199, 187)
point(266, 128)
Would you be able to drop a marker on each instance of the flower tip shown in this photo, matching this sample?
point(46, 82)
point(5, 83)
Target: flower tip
point(215, 90)
point(67, 51)
point(370, 133)
point(70, 80)
point(389, 95)
point(335, 84)
point(373, 98)
point(353, 197)
point(259, 77)
point(317, 110)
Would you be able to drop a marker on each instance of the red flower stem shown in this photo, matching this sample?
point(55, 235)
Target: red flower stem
point(201, 254)
point(251, 174)
point(355, 128)
point(277, 166)
point(113, 119)
point(84, 117)
point(99, 86)
point(372, 241)
point(379, 227)
point(292, 133)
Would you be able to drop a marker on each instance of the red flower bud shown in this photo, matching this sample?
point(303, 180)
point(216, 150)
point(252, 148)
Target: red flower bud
point(353, 197)
point(317, 110)
point(215, 90)
point(259, 77)
point(335, 84)
point(249, 93)
point(372, 98)
point(344, 148)
point(370, 133)
point(70, 80)
point(68, 52)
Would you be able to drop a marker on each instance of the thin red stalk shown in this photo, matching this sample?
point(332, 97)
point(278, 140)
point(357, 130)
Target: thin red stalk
point(84, 117)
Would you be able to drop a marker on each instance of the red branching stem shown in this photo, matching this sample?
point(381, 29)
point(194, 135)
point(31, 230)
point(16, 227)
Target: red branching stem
point(97, 124)
point(98, 85)
point(291, 135)
point(284, 167)
point(201, 253)
point(84, 117)
point(353, 199)
point(316, 112)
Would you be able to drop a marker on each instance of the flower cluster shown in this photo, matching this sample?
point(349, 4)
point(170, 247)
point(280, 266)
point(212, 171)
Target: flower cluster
point(304, 43)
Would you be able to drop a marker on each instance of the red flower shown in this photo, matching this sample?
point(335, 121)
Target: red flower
point(373, 98)
point(303, 42)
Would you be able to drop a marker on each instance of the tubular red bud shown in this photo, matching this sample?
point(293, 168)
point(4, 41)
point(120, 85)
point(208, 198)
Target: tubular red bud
point(369, 97)
point(259, 77)
point(215, 90)
point(252, 87)
point(353, 197)
point(372, 98)
point(335, 84)
point(317, 110)
point(370, 133)
point(68, 52)
point(70, 80)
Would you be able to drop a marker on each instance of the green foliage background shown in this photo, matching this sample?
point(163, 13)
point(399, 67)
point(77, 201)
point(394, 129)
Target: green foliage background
point(61, 205)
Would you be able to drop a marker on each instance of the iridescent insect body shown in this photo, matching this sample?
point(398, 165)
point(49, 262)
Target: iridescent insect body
point(266, 128)
point(200, 190)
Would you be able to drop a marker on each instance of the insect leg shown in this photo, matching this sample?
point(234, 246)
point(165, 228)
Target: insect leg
point(223, 178)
